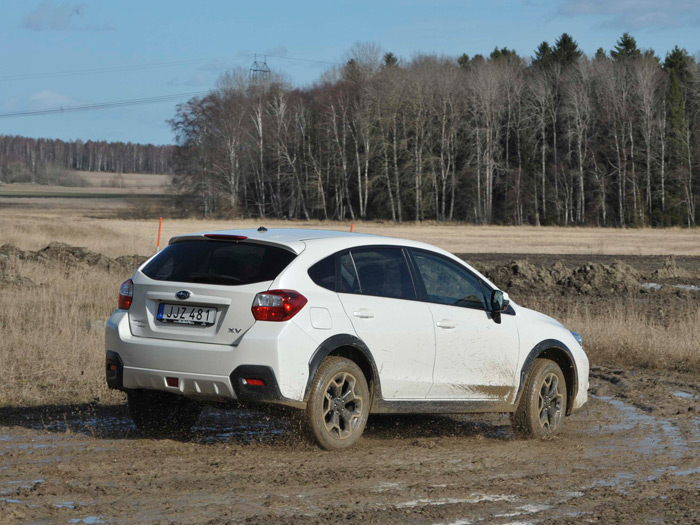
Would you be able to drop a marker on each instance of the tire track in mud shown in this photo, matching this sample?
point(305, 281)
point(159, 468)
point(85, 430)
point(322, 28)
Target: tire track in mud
point(632, 449)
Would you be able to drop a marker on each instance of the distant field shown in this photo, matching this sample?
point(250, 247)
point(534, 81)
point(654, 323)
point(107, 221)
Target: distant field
point(126, 180)
point(100, 185)
point(33, 215)
point(31, 225)
point(99, 200)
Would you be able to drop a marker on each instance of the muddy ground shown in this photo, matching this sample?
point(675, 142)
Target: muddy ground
point(632, 454)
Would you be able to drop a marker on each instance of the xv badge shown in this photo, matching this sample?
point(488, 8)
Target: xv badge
point(234, 330)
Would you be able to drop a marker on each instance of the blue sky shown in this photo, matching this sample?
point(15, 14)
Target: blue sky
point(41, 38)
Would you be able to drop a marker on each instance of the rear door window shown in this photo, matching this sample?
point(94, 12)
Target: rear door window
point(218, 262)
point(348, 282)
point(383, 272)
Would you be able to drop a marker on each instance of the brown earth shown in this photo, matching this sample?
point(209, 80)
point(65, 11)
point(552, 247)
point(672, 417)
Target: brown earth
point(525, 274)
point(631, 455)
point(59, 253)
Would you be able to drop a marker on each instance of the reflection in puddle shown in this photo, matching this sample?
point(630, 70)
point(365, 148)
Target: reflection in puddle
point(685, 395)
point(654, 442)
point(657, 286)
point(473, 498)
point(214, 426)
point(89, 519)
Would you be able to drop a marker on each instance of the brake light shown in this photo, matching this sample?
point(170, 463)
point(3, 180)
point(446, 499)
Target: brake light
point(277, 305)
point(126, 294)
point(224, 237)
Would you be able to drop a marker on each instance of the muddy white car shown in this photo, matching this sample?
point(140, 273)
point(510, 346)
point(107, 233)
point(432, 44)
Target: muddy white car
point(337, 325)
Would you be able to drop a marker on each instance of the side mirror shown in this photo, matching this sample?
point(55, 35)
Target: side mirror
point(499, 301)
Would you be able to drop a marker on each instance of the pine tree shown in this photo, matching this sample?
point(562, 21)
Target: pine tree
point(566, 51)
point(477, 59)
point(679, 61)
point(351, 71)
point(625, 48)
point(503, 54)
point(601, 54)
point(390, 59)
point(463, 61)
point(543, 55)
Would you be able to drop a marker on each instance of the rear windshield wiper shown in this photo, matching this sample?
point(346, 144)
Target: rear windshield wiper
point(213, 278)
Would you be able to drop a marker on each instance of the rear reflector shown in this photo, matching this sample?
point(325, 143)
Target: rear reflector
point(223, 237)
point(254, 382)
point(172, 381)
point(112, 367)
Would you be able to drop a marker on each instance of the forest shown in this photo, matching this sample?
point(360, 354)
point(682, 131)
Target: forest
point(24, 159)
point(558, 138)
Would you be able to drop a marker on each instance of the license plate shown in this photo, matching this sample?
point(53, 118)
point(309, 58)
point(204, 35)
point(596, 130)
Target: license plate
point(191, 315)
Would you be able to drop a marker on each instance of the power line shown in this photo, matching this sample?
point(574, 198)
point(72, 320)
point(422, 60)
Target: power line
point(153, 65)
point(103, 105)
point(135, 67)
point(305, 60)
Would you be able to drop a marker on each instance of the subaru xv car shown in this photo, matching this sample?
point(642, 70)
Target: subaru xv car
point(337, 325)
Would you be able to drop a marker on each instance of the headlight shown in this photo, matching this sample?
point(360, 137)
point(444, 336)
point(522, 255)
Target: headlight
point(578, 337)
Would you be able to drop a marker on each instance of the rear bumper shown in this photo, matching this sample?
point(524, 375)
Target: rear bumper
point(210, 370)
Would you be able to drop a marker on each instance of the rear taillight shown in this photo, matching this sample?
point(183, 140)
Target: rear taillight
point(277, 305)
point(126, 294)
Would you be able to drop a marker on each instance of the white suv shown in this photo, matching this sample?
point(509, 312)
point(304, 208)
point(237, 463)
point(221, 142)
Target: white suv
point(339, 325)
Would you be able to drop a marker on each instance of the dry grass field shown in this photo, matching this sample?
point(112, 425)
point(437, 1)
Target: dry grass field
point(144, 181)
point(52, 343)
point(39, 221)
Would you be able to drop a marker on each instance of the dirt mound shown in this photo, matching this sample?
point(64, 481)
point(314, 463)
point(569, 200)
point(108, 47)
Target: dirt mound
point(671, 270)
point(9, 251)
point(603, 279)
point(522, 277)
point(8, 276)
point(72, 256)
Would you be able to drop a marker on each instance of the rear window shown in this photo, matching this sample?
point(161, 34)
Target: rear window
point(217, 262)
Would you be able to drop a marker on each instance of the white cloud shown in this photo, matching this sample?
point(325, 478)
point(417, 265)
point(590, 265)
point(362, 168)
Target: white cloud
point(636, 14)
point(51, 16)
point(48, 99)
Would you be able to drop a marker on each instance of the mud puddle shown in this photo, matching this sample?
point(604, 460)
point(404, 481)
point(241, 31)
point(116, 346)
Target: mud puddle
point(657, 286)
point(632, 452)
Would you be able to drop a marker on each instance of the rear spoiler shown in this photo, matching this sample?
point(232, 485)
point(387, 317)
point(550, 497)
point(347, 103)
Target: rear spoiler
point(296, 247)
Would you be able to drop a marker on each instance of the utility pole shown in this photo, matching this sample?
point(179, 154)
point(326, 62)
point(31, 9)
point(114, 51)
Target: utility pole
point(259, 72)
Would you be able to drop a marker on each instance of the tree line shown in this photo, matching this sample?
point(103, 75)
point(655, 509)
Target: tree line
point(28, 159)
point(561, 138)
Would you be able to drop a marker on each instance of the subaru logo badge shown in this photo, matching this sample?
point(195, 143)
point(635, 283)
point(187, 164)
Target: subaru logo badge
point(183, 294)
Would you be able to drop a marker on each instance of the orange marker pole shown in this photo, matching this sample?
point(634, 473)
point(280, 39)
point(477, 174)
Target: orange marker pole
point(351, 227)
point(160, 227)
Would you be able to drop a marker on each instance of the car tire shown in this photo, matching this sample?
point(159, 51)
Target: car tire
point(160, 413)
point(542, 407)
point(338, 404)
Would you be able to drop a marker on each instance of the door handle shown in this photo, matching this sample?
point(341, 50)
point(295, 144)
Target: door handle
point(363, 313)
point(447, 324)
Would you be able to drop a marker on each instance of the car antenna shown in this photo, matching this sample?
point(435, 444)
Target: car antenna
point(262, 229)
